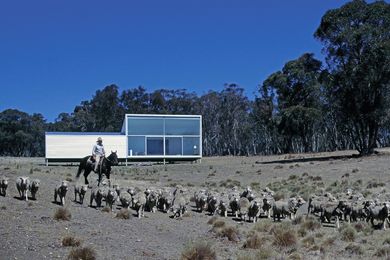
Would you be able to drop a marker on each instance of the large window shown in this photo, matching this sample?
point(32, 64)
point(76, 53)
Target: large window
point(163, 135)
point(136, 145)
point(173, 146)
point(145, 126)
point(155, 146)
point(182, 126)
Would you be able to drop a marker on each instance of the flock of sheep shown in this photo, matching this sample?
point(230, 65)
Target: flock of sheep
point(246, 205)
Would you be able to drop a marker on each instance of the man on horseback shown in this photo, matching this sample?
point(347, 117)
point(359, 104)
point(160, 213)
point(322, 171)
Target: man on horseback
point(98, 152)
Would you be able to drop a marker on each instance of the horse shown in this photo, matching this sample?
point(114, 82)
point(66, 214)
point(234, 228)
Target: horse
point(104, 167)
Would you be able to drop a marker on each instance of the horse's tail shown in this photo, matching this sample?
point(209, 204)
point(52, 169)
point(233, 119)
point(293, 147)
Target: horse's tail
point(81, 168)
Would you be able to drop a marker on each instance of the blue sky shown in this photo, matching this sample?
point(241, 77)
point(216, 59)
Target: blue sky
point(54, 54)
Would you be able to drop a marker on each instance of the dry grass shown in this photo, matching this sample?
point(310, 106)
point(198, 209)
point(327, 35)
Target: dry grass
point(354, 249)
point(348, 233)
point(199, 251)
point(3, 207)
point(62, 214)
point(123, 214)
point(219, 224)
point(71, 241)
point(85, 253)
point(383, 252)
point(264, 253)
point(311, 223)
point(230, 232)
point(106, 209)
point(255, 241)
point(212, 220)
point(284, 236)
point(263, 225)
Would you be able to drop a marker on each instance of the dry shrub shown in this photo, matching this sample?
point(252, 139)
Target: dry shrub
point(311, 223)
point(230, 233)
point(363, 227)
point(254, 241)
point(284, 236)
point(123, 214)
point(354, 249)
point(295, 256)
point(386, 241)
point(198, 251)
point(212, 220)
point(219, 224)
point(308, 242)
point(279, 195)
point(348, 233)
point(71, 241)
point(187, 215)
point(264, 253)
point(106, 209)
point(84, 253)
point(3, 207)
point(62, 214)
point(263, 225)
point(383, 252)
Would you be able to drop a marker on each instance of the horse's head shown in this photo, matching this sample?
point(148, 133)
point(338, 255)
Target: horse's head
point(113, 158)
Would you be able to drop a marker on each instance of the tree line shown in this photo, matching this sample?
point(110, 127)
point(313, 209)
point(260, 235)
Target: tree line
point(307, 106)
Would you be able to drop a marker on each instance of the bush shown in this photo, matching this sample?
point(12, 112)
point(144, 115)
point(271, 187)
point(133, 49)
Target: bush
point(264, 253)
point(255, 241)
point(219, 224)
point(85, 253)
point(71, 241)
point(311, 223)
point(383, 252)
point(284, 236)
point(198, 251)
point(106, 209)
point(123, 214)
point(62, 214)
point(212, 220)
point(263, 225)
point(230, 233)
point(308, 242)
point(354, 249)
point(348, 233)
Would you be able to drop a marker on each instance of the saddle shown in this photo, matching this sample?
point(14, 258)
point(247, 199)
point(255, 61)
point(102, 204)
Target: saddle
point(92, 161)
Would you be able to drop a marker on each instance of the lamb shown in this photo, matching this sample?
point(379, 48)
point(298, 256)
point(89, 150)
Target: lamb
point(138, 203)
point(3, 186)
point(22, 184)
point(61, 191)
point(379, 212)
point(253, 211)
point(125, 199)
point(80, 190)
point(97, 196)
point(151, 201)
point(33, 188)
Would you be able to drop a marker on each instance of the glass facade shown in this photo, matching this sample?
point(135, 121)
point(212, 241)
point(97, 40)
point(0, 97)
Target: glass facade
point(163, 135)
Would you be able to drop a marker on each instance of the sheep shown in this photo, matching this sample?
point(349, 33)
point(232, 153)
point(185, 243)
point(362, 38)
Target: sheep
point(267, 206)
point(151, 201)
point(3, 186)
point(165, 201)
point(233, 204)
point(125, 199)
point(248, 193)
point(61, 191)
point(253, 211)
point(379, 212)
point(33, 188)
point(201, 201)
point(22, 187)
point(223, 207)
point(97, 196)
point(110, 196)
point(80, 190)
point(244, 205)
point(212, 204)
point(289, 207)
point(332, 209)
point(138, 203)
point(117, 189)
point(179, 205)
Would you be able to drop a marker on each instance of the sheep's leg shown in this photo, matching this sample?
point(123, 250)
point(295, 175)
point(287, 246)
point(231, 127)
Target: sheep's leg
point(337, 222)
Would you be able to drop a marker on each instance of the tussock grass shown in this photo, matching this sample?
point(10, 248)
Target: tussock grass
point(354, 249)
point(123, 214)
point(284, 236)
point(71, 241)
point(264, 253)
point(219, 224)
point(212, 220)
point(230, 232)
point(383, 252)
point(106, 209)
point(62, 214)
point(85, 253)
point(198, 251)
point(348, 233)
point(263, 225)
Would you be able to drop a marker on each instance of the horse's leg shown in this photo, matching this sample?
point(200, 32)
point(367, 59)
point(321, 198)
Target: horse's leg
point(86, 173)
point(108, 178)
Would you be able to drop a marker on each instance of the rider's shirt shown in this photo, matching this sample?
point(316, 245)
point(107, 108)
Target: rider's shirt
point(98, 150)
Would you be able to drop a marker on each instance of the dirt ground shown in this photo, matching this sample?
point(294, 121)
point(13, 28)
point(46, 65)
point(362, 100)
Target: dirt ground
point(28, 230)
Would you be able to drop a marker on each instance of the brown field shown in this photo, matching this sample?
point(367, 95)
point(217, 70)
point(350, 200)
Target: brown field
point(28, 230)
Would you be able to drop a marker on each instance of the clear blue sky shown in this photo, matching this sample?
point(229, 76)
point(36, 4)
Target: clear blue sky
point(54, 54)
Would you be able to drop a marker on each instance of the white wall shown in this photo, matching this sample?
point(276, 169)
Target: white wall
point(78, 146)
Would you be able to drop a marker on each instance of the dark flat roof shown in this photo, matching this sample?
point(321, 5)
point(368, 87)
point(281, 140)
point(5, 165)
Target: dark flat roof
point(83, 133)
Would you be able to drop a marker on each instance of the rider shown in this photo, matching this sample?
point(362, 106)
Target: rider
point(98, 152)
